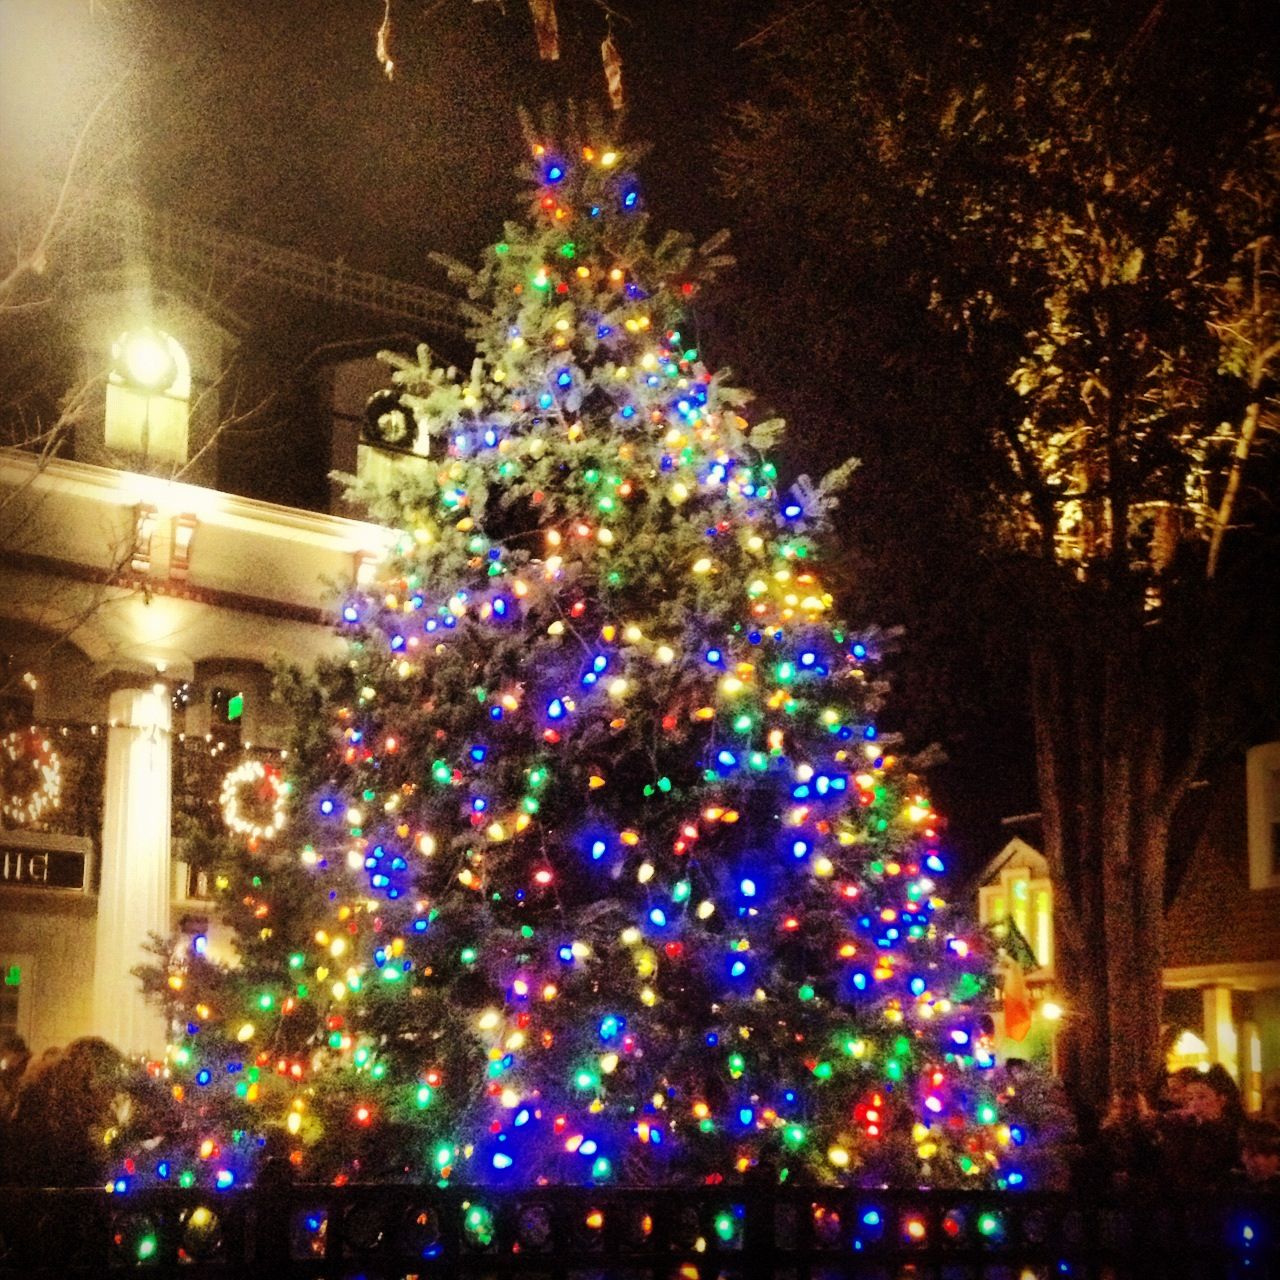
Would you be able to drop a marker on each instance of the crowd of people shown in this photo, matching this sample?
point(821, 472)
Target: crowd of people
point(1194, 1136)
point(65, 1114)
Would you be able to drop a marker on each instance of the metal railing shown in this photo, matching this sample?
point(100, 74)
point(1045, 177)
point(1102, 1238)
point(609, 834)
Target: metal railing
point(114, 232)
point(699, 1233)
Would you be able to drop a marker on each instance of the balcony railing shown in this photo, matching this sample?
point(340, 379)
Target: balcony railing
point(704, 1233)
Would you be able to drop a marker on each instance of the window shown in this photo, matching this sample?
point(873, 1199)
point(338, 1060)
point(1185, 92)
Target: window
point(226, 709)
point(1262, 787)
point(1025, 900)
point(148, 396)
point(1019, 892)
point(1043, 940)
point(991, 904)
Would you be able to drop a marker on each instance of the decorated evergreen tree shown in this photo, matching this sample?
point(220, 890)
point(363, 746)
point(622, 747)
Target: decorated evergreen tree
point(595, 868)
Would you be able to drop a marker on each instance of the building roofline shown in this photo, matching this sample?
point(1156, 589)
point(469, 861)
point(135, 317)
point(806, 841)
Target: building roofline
point(117, 487)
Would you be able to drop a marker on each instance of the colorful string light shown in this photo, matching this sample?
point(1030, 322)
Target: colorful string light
point(603, 872)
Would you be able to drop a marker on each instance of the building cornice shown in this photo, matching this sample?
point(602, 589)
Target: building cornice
point(175, 588)
point(114, 487)
point(1250, 975)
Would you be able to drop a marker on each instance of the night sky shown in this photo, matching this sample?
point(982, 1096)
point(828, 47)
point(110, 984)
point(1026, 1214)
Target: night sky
point(275, 119)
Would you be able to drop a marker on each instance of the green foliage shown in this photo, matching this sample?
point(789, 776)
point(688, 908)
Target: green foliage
point(600, 869)
point(1087, 202)
point(1055, 228)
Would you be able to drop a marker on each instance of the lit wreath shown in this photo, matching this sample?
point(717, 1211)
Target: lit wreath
point(253, 800)
point(24, 753)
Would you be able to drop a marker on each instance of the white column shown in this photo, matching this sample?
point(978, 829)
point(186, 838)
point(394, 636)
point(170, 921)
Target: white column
point(133, 899)
point(1219, 1029)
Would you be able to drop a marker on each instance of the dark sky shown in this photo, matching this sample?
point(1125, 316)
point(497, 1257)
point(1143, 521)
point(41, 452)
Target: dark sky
point(273, 117)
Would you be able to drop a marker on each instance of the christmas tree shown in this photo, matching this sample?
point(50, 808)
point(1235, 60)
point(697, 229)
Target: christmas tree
point(595, 868)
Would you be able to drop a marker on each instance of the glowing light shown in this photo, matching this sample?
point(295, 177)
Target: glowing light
point(1189, 1045)
point(146, 361)
point(259, 782)
point(34, 775)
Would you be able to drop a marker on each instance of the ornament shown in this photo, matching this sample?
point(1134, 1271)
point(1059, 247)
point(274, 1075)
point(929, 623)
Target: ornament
point(612, 60)
point(388, 422)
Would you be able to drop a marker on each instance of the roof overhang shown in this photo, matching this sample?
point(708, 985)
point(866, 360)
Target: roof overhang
point(1252, 975)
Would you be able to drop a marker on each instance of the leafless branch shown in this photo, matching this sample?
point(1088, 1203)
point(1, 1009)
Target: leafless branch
point(1254, 328)
point(760, 36)
point(34, 261)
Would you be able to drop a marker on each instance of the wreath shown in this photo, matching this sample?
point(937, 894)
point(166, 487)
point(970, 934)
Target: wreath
point(389, 422)
point(253, 800)
point(30, 776)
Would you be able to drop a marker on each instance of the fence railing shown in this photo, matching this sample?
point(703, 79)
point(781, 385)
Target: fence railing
point(702, 1233)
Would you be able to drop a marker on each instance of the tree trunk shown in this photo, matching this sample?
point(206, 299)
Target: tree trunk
point(1100, 714)
point(1082, 1042)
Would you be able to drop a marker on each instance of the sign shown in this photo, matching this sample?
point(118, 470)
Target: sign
point(47, 868)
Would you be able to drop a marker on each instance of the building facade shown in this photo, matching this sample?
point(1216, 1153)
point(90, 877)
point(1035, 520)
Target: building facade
point(1222, 932)
point(139, 641)
point(143, 609)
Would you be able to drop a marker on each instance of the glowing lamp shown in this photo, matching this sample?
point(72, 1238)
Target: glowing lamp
point(144, 361)
point(1189, 1045)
